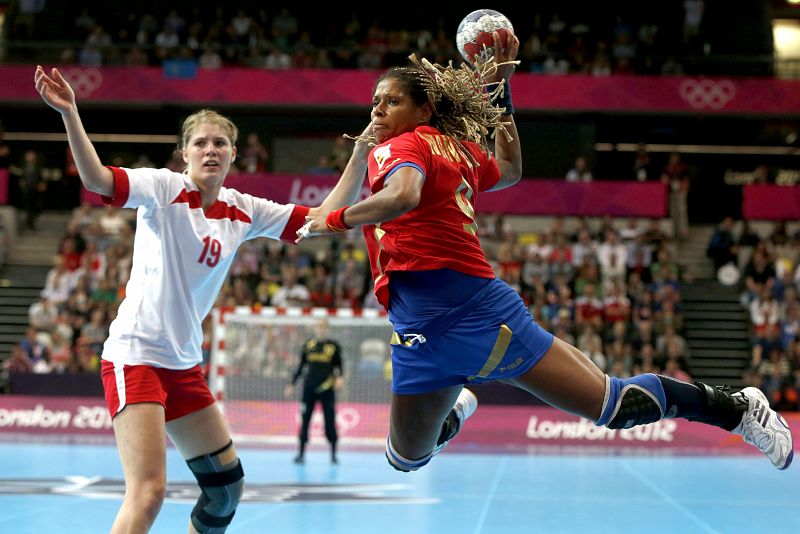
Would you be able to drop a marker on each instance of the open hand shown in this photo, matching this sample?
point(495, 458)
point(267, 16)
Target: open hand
point(55, 90)
point(504, 57)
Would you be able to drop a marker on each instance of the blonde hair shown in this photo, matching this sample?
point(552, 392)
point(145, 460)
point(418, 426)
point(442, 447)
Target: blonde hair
point(207, 116)
point(462, 108)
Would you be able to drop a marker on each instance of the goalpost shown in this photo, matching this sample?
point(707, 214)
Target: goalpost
point(254, 355)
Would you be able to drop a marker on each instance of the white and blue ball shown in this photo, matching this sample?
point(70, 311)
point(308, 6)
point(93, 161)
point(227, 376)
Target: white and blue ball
point(474, 36)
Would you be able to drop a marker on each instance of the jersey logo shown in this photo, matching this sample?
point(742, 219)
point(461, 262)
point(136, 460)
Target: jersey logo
point(382, 154)
point(218, 210)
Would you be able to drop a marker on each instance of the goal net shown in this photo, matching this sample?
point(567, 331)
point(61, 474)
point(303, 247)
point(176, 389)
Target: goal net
point(256, 353)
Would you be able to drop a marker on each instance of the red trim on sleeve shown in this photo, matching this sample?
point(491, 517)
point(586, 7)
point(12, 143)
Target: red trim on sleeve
point(122, 188)
point(296, 220)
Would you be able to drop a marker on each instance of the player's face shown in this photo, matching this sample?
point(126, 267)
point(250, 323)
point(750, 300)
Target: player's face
point(209, 154)
point(394, 112)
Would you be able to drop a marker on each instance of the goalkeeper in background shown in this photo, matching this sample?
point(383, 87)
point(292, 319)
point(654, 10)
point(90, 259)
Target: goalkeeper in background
point(323, 356)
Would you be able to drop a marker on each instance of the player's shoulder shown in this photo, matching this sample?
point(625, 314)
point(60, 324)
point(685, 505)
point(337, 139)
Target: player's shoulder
point(154, 173)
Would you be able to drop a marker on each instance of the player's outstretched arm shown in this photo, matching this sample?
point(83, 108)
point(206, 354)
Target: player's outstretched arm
point(58, 94)
point(507, 153)
point(401, 193)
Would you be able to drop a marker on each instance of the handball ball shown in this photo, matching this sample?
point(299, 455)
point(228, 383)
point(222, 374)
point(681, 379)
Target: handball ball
point(475, 31)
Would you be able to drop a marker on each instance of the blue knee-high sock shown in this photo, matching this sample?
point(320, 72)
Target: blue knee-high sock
point(683, 399)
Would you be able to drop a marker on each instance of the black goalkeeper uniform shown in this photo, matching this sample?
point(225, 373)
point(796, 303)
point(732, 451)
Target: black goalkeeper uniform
point(323, 357)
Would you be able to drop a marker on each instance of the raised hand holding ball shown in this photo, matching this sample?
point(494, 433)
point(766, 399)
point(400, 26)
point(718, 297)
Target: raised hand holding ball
point(474, 37)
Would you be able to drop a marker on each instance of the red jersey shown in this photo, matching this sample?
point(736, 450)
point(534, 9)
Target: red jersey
point(440, 233)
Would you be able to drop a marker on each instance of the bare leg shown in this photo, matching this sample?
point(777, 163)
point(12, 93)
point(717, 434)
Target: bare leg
point(141, 441)
point(201, 432)
point(416, 420)
point(566, 379)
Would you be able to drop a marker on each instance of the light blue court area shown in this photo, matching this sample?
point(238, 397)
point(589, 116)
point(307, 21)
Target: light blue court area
point(77, 489)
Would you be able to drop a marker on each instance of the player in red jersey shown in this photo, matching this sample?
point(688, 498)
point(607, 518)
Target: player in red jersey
point(454, 322)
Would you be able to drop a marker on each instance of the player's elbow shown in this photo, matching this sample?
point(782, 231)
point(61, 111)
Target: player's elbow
point(407, 199)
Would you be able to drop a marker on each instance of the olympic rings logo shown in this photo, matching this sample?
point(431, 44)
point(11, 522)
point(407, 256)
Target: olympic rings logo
point(701, 94)
point(84, 81)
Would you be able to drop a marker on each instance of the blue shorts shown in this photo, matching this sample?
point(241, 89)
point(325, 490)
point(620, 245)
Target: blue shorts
point(452, 328)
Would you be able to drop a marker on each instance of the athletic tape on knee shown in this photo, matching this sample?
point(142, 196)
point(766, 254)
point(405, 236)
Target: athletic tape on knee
point(632, 401)
point(221, 479)
point(404, 464)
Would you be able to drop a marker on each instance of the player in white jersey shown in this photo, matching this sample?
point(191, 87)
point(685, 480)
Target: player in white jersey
point(188, 230)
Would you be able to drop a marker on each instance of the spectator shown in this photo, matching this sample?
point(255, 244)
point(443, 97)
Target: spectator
point(209, 59)
point(31, 185)
point(673, 369)
point(595, 353)
point(778, 236)
point(670, 335)
point(759, 274)
point(254, 156)
point(321, 287)
point(18, 361)
point(580, 172)
point(722, 247)
point(676, 176)
point(693, 18)
point(765, 317)
point(60, 353)
point(612, 256)
point(641, 164)
point(95, 332)
point(291, 293)
point(747, 236)
point(350, 285)
point(35, 351)
point(589, 308)
point(57, 284)
point(42, 315)
point(585, 247)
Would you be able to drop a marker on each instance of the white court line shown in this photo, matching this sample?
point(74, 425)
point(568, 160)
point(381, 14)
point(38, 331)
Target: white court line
point(490, 496)
point(661, 493)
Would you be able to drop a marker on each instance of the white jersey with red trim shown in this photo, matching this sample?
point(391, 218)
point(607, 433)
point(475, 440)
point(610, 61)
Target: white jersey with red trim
point(181, 256)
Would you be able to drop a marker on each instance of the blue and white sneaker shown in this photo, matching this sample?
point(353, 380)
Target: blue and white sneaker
point(465, 406)
point(765, 428)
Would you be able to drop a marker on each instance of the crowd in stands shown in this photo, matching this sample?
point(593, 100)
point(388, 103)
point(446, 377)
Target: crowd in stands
point(769, 267)
point(576, 40)
point(612, 290)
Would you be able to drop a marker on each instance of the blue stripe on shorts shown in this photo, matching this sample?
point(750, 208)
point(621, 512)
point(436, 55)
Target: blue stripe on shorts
point(452, 328)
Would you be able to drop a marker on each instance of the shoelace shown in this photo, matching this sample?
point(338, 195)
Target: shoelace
point(759, 439)
point(757, 434)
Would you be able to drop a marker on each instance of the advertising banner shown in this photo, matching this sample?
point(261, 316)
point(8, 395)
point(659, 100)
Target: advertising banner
point(526, 429)
point(317, 87)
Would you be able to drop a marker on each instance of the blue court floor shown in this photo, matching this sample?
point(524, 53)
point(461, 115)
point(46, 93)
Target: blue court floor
point(77, 489)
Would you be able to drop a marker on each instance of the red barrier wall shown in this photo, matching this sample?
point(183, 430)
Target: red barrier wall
point(307, 87)
point(3, 186)
point(771, 202)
